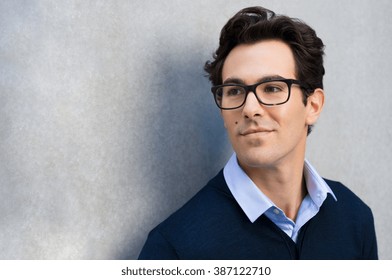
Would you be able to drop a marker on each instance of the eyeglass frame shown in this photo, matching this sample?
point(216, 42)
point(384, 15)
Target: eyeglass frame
point(252, 88)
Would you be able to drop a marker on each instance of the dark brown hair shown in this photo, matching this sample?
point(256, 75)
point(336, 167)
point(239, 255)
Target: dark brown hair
point(254, 24)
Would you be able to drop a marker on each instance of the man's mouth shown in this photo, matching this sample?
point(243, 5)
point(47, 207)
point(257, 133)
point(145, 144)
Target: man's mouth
point(255, 130)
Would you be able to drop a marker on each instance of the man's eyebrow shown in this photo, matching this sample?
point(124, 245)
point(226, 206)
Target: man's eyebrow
point(262, 79)
point(234, 81)
point(269, 78)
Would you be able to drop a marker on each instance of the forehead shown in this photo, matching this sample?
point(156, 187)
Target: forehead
point(250, 62)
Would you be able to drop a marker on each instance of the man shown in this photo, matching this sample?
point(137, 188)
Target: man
point(268, 202)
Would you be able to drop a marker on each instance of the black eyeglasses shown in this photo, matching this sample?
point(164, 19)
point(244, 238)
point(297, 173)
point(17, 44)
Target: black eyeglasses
point(270, 93)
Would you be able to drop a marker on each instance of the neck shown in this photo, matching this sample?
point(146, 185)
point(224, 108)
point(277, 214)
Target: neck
point(284, 184)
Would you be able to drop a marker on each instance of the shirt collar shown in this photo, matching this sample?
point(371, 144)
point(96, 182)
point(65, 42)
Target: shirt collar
point(318, 189)
point(254, 202)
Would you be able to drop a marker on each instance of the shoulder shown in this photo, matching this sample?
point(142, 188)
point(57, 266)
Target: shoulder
point(353, 217)
point(195, 225)
point(210, 202)
point(344, 194)
point(349, 203)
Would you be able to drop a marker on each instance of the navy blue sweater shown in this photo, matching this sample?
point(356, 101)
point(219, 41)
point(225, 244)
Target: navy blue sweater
point(213, 226)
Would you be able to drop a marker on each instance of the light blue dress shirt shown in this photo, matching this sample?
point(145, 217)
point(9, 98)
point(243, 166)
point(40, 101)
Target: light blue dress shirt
point(255, 203)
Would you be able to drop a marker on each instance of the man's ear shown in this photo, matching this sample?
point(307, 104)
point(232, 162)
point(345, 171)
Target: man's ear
point(314, 105)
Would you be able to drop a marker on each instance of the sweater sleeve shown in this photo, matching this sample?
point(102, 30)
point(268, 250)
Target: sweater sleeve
point(157, 248)
point(370, 240)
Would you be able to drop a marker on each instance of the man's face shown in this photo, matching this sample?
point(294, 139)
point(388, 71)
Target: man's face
point(262, 136)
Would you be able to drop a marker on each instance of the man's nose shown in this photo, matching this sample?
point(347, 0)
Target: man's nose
point(252, 107)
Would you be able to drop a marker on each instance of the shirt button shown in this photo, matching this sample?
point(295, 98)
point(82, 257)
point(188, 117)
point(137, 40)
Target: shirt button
point(276, 211)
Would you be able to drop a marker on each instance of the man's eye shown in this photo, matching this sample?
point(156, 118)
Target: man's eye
point(234, 91)
point(272, 89)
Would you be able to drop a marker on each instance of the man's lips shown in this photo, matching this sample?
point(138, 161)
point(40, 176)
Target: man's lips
point(250, 131)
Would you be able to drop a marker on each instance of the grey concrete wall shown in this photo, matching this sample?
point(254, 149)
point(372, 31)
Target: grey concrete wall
point(107, 124)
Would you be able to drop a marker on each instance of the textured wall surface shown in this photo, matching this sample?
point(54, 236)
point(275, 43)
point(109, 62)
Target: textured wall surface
point(107, 124)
